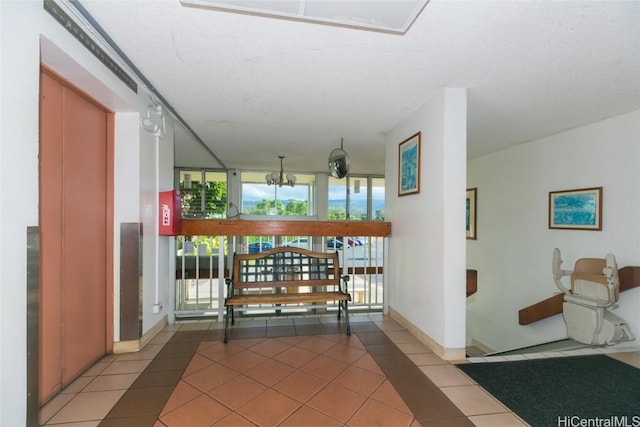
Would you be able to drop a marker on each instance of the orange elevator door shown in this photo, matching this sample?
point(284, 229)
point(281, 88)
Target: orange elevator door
point(73, 227)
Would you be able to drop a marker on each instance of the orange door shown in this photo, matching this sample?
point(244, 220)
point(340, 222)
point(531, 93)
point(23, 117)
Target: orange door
point(73, 226)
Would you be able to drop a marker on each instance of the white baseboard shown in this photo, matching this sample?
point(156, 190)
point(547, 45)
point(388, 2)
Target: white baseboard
point(132, 346)
point(444, 353)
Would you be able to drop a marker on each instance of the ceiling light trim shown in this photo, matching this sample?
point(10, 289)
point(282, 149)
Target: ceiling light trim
point(388, 16)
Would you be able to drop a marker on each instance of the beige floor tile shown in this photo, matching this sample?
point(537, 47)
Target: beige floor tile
point(426, 359)
point(148, 352)
point(96, 369)
point(94, 423)
point(497, 420)
point(111, 382)
point(87, 407)
point(53, 406)
point(389, 325)
point(109, 358)
point(162, 337)
point(126, 367)
point(445, 375)
point(402, 337)
point(473, 400)
point(77, 385)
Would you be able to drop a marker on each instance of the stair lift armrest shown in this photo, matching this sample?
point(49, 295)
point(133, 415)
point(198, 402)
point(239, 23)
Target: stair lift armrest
point(559, 273)
point(610, 272)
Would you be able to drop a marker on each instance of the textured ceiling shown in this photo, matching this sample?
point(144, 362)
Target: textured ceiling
point(254, 87)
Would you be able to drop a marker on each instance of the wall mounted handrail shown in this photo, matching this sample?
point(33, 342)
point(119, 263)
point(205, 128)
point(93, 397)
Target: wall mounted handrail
point(240, 227)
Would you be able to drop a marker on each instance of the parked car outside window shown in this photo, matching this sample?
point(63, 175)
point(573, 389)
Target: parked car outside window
point(301, 242)
point(335, 243)
point(256, 247)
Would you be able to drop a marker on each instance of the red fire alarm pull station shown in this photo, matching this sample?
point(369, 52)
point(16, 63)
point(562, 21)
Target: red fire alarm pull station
point(170, 213)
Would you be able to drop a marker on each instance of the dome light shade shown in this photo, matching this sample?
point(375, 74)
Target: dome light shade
point(278, 179)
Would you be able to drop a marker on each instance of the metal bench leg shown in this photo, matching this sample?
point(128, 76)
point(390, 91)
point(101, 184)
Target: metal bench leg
point(233, 319)
point(226, 324)
point(346, 316)
point(339, 309)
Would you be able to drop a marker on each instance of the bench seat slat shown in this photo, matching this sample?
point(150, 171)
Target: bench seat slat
point(287, 298)
point(284, 284)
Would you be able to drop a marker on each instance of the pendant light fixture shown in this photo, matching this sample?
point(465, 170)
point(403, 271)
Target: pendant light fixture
point(278, 179)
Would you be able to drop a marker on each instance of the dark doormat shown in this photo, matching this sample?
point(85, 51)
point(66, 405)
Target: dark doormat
point(565, 391)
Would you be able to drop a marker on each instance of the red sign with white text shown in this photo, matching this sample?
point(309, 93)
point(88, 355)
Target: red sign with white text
point(170, 213)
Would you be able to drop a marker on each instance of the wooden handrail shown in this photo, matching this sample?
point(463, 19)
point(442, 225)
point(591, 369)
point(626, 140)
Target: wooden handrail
point(472, 282)
point(629, 279)
point(233, 227)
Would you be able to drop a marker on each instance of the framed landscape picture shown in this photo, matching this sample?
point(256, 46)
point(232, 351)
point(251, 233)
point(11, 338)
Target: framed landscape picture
point(472, 194)
point(579, 209)
point(409, 166)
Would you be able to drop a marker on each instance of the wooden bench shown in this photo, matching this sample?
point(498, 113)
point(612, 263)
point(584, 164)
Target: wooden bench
point(286, 275)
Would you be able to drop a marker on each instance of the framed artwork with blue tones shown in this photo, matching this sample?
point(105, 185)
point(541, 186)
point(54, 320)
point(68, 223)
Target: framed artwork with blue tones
point(579, 209)
point(409, 166)
point(472, 195)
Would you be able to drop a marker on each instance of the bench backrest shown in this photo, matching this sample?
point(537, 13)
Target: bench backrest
point(285, 267)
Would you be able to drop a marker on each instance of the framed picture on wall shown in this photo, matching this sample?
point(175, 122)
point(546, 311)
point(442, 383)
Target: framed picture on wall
point(579, 209)
point(409, 165)
point(472, 198)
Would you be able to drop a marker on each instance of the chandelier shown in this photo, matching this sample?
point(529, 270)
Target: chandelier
point(279, 178)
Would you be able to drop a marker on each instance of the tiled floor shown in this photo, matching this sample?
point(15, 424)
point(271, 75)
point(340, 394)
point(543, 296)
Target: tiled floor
point(280, 372)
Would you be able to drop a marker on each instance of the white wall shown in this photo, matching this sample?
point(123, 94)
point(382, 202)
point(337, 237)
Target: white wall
point(514, 246)
point(27, 31)
point(426, 265)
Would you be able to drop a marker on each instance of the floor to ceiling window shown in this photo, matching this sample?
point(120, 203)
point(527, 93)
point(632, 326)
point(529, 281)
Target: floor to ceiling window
point(204, 193)
point(260, 198)
point(356, 198)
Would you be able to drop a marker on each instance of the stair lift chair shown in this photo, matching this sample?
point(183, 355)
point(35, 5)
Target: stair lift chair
point(594, 289)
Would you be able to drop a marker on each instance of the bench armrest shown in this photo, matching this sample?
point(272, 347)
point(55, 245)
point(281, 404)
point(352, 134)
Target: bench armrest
point(344, 279)
point(229, 284)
